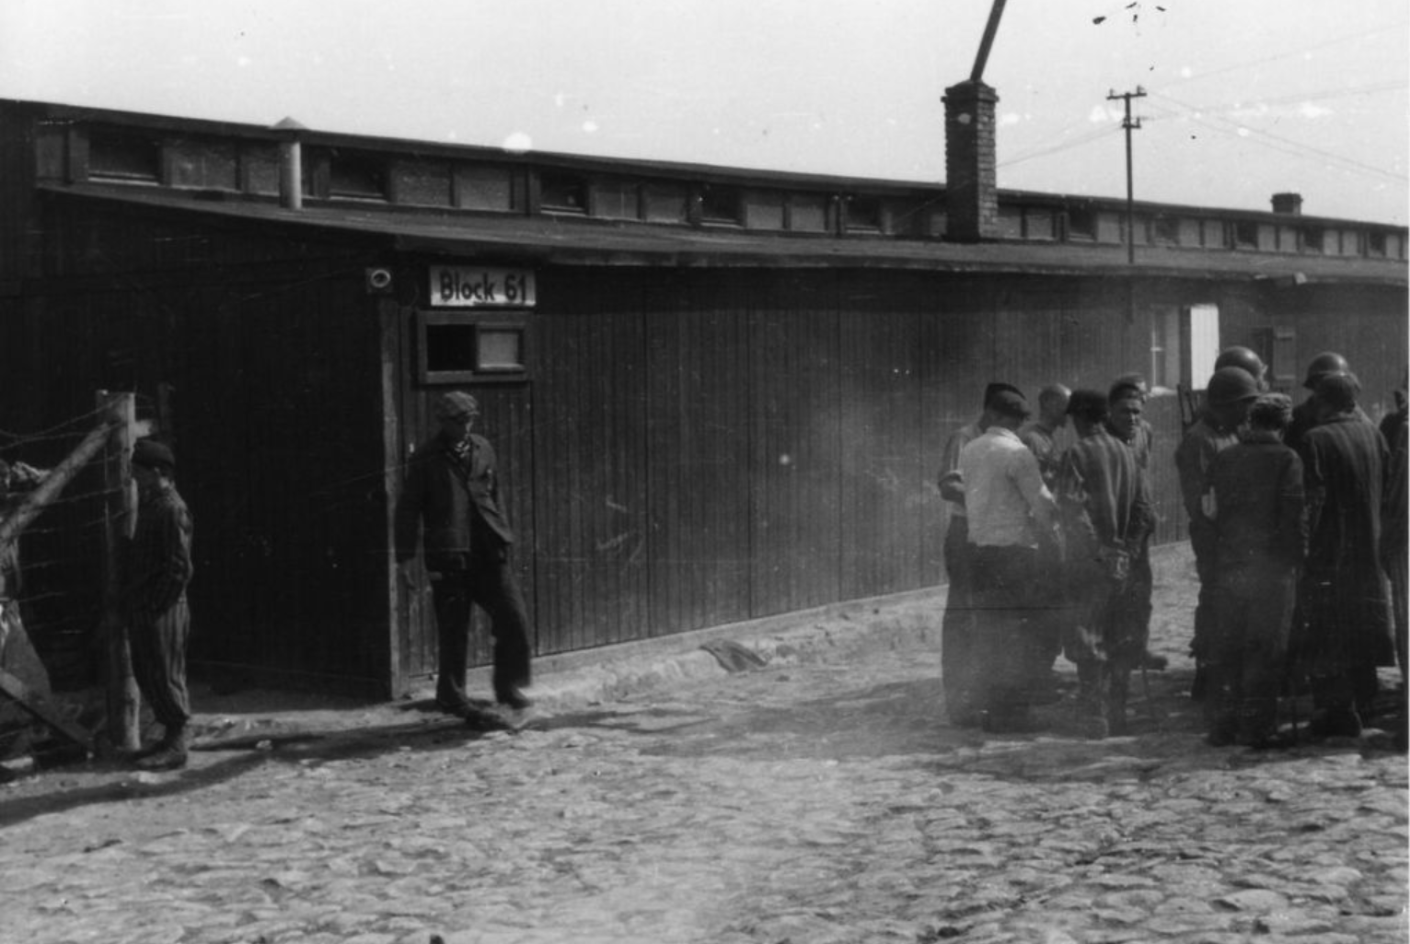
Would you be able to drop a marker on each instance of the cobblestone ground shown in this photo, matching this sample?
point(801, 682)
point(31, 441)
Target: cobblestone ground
point(804, 803)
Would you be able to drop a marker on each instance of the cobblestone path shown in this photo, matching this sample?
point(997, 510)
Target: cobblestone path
point(806, 803)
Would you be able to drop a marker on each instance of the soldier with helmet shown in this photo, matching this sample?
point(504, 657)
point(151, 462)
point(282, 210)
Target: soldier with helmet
point(1228, 395)
point(1324, 365)
point(1245, 359)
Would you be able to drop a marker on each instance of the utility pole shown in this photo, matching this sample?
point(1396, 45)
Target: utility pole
point(1129, 125)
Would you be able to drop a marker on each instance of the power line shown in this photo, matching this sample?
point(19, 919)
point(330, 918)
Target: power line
point(1291, 53)
point(1299, 149)
point(1102, 132)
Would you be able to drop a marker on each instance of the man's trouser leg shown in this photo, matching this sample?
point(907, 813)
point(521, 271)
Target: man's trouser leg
point(1205, 608)
point(450, 594)
point(1267, 599)
point(494, 588)
point(957, 627)
point(159, 665)
point(1002, 585)
point(1084, 644)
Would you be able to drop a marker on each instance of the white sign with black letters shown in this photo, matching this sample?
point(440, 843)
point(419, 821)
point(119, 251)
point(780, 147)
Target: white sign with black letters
point(481, 287)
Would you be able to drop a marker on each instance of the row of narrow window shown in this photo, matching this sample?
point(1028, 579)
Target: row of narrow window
point(357, 176)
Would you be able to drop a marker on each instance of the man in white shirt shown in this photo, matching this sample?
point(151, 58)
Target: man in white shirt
point(1008, 508)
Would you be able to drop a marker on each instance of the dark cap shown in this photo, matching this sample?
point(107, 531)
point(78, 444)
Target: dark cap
point(995, 389)
point(1271, 411)
point(456, 403)
point(1009, 403)
point(153, 455)
point(1089, 406)
point(1338, 391)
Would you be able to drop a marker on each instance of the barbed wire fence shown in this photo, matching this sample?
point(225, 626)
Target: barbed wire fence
point(64, 528)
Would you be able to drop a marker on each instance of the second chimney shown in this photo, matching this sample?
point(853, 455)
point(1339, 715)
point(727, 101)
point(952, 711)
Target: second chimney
point(1289, 203)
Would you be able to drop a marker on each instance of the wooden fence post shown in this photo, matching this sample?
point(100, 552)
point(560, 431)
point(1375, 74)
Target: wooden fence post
point(120, 517)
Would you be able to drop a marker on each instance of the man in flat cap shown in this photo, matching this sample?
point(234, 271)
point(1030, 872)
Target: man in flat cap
point(1105, 511)
point(156, 567)
point(1009, 509)
point(1344, 597)
point(451, 487)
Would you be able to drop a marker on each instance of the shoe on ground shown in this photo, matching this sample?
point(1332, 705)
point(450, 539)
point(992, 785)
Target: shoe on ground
point(1154, 661)
point(1277, 741)
point(456, 706)
point(513, 698)
point(964, 717)
point(479, 719)
point(167, 758)
point(1337, 722)
point(1045, 692)
point(1220, 737)
point(1006, 722)
point(1094, 728)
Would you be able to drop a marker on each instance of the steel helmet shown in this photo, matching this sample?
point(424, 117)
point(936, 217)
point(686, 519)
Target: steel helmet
point(1230, 385)
point(1324, 365)
point(1242, 357)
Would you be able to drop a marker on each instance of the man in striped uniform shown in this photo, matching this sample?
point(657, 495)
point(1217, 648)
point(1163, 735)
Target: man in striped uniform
point(156, 567)
point(1127, 403)
point(1345, 600)
point(1106, 515)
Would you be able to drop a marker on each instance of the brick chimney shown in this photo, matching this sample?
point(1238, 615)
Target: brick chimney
point(971, 191)
point(1289, 203)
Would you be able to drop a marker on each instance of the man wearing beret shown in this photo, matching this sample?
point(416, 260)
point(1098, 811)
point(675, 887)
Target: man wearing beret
point(156, 567)
point(451, 488)
point(1345, 601)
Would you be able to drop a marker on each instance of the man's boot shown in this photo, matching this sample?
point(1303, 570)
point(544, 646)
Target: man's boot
point(171, 754)
point(1091, 700)
point(1258, 723)
point(1117, 687)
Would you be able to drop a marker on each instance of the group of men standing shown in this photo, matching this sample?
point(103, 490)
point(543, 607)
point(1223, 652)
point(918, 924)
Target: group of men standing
point(1047, 551)
point(1294, 541)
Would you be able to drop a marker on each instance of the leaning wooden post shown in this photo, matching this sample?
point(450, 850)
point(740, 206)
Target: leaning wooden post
point(120, 517)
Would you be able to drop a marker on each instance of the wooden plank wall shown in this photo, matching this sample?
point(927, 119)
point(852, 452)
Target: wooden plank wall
point(712, 450)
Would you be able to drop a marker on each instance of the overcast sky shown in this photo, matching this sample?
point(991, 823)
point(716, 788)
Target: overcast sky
point(1245, 97)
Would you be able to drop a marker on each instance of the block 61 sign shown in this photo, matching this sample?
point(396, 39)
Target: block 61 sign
point(480, 287)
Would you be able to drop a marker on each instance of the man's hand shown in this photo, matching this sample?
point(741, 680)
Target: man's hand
point(407, 571)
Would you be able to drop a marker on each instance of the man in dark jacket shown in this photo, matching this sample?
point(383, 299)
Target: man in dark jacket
point(451, 488)
point(1228, 395)
point(1255, 505)
point(1345, 602)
